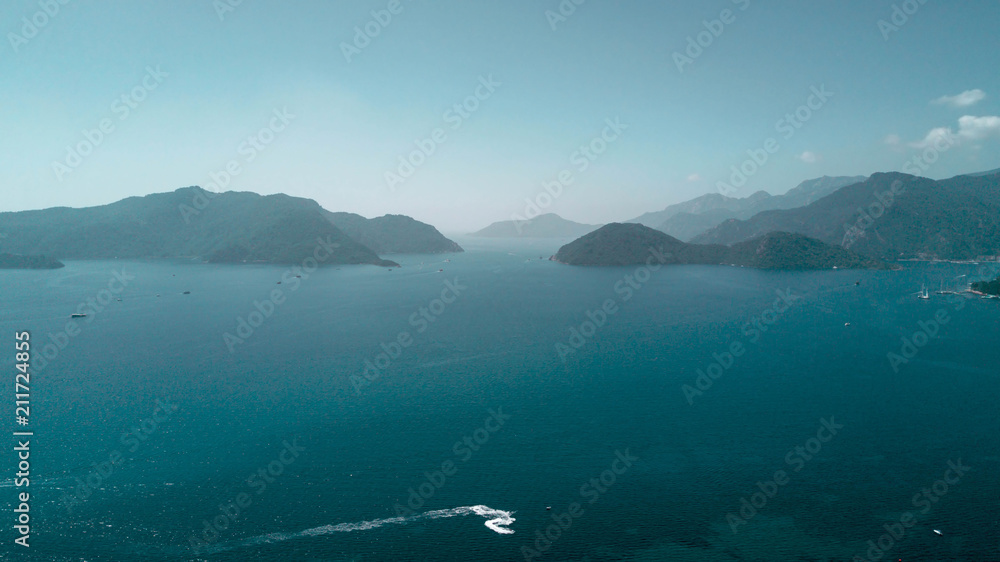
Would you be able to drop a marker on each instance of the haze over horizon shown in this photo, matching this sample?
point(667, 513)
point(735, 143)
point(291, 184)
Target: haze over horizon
point(340, 113)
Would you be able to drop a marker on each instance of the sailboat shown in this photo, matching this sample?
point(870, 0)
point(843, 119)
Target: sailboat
point(923, 294)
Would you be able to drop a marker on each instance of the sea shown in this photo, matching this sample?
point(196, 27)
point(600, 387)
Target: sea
point(496, 405)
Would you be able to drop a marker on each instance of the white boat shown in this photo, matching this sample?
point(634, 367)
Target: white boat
point(923, 294)
point(938, 532)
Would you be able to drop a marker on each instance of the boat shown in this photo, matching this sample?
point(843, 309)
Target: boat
point(78, 315)
point(938, 532)
point(923, 294)
point(186, 292)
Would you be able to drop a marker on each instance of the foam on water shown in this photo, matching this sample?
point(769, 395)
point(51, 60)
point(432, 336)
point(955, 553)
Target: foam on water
point(497, 520)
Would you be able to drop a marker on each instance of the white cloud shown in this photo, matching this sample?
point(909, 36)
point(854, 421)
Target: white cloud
point(970, 128)
point(809, 157)
point(893, 140)
point(694, 177)
point(965, 99)
point(978, 128)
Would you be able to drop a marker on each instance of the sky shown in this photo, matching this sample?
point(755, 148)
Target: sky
point(460, 114)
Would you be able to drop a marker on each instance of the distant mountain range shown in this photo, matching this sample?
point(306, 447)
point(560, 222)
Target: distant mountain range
point(548, 225)
point(887, 216)
point(635, 244)
point(890, 216)
point(989, 173)
point(689, 219)
point(12, 261)
point(393, 234)
point(231, 227)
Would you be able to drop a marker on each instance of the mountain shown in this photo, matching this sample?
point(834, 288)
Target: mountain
point(393, 234)
point(691, 218)
point(890, 216)
point(685, 226)
point(810, 191)
point(230, 227)
point(635, 244)
point(703, 204)
point(981, 174)
point(548, 225)
point(626, 244)
point(12, 261)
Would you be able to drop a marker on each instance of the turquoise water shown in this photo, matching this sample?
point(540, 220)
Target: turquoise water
point(344, 454)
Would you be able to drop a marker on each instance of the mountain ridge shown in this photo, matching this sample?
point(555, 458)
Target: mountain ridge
point(688, 219)
point(891, 216)
point(548, 225)
point(230, 227)
point(625, 244)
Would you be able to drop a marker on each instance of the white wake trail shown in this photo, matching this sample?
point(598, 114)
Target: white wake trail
point(497, 520)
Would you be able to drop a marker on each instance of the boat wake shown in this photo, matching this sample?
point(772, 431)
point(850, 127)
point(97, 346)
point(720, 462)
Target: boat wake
point(497, 521)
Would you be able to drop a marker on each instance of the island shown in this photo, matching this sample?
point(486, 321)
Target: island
point(619, 244)
point(17, 261)
point(988, 287)
point(549, 225)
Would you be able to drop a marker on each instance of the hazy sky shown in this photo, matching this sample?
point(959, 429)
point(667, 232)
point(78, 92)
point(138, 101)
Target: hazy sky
point(201, 77)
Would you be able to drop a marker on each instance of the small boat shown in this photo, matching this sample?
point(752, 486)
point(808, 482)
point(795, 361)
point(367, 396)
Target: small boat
point(938, 532)
point(279, 282)
point(78, 315)
point(186, 292)
point(857, 283)
point(440, 270)
point(923, 294)
point(846, 324)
